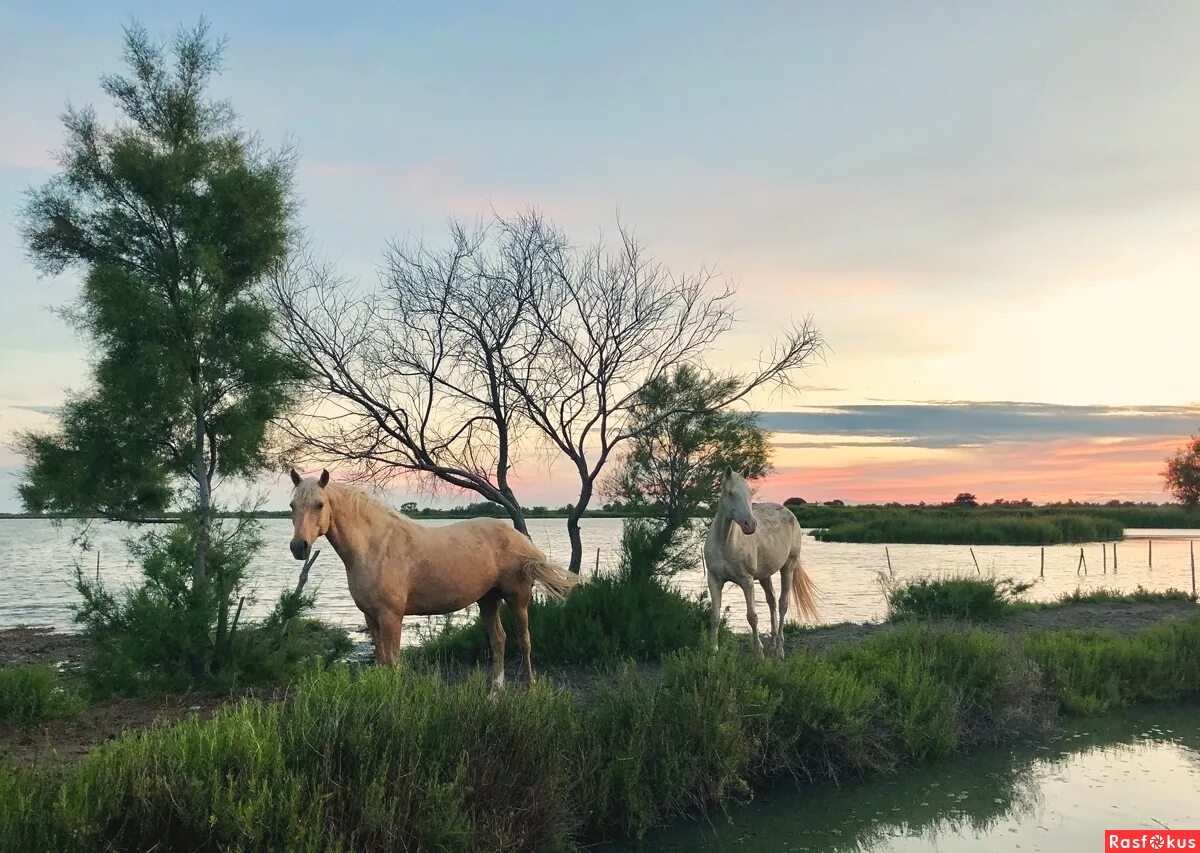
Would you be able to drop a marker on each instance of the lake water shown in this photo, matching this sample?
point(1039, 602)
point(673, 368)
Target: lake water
point(37, 560)
point(1132, 772)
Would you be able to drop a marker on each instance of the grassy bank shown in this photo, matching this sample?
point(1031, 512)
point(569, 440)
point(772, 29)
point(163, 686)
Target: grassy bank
point(382, 760)
point(956, 526)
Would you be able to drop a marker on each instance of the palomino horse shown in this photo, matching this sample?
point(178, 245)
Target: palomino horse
point(396, 567)
point(751, 542)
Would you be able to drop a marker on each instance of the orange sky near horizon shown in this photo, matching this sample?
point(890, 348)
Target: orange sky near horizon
point(1094, 469)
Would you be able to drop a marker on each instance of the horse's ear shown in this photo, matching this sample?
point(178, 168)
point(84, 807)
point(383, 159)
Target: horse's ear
point(295, 478)
point(728, 473)
point(745, 473)
point(324, 481)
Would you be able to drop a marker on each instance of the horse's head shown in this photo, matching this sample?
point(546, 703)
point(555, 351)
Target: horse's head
point(735, 496)
point(310, 512)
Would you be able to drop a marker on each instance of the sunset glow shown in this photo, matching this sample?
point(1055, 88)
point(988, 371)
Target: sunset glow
point(975, 204)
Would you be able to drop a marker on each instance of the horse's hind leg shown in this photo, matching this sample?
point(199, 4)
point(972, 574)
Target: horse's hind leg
point(776, 627)
point(489, 615)
point(785, 597)
point(747, 585)
point(519, 602)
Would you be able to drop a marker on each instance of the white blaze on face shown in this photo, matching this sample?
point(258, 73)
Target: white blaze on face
point(736, 495)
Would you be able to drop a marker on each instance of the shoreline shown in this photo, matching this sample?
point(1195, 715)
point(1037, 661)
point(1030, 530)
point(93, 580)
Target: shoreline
point(70, 739)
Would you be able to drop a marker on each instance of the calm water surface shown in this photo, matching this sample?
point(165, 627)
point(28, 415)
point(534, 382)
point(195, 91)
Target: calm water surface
point(37, 561)
point(1129, 772)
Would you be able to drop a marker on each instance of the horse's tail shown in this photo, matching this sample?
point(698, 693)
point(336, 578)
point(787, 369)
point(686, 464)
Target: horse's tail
point(804, 592)
point(553, 578)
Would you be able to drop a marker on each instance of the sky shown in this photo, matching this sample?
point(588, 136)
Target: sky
point(991, 211)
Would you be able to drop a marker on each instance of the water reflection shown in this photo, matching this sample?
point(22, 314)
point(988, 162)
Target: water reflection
point(1122, 772)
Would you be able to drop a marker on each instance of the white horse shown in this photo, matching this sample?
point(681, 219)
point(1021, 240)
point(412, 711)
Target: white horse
point(751, 542)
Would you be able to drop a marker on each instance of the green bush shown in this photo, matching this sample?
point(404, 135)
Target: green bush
point(633, 614)
point(33, 692)
point(163, 635)
point(958, 597)
point(603, 622)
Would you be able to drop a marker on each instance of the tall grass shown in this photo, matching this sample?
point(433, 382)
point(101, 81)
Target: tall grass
point(31, 693)
point(397, 760)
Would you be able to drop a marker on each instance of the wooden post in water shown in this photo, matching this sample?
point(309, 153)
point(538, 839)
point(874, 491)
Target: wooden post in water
point(1042, 573)
point(1150, 552)
point(976, 562)
point(596, 571)
point(1082, 563)
point(1104, 549)
point(888, 554)
point(97, 565)
point(1114, 558)
point(1192, 549)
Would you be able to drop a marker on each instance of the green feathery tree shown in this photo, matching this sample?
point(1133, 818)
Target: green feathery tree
point(173, 215)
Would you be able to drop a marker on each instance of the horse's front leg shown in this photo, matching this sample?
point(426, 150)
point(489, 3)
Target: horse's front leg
point(391, 625)
point(714, 594)
point(776, 625)
point(747, 585)
point(373, 633)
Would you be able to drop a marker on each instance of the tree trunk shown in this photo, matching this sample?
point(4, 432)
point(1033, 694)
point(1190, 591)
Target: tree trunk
point(576, 513)
point(513, 508)
point(203, 509)
point(576, 542)
point(203, 535)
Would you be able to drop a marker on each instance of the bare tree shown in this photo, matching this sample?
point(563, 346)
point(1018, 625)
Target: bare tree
point(608, 320)
point(408, 379)
point(510, 330)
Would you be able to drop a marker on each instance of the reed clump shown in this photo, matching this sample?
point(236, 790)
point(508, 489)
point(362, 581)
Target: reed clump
point(30, 693)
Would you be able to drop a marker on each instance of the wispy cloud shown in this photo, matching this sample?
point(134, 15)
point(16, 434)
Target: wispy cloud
point(947, 424)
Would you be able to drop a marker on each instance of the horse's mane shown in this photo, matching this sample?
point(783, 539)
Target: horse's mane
point(361, 500)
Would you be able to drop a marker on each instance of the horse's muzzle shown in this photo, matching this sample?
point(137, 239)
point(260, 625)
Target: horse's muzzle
point(748, 527)
point(300, 549)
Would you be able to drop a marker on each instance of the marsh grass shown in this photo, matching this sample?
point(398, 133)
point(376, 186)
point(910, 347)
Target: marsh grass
point(984, 599)
point(1141, 595)
point(959, 525)
point(31, 693)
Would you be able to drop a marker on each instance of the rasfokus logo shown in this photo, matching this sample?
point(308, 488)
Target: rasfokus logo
point(1152, 839)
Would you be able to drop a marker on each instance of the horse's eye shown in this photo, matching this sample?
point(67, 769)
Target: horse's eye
point(320, 504)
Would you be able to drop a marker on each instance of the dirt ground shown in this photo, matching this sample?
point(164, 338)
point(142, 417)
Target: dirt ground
point(67, 740)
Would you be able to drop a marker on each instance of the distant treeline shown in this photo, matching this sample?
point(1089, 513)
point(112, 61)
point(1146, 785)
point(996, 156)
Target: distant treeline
point(1012, 524)
point(482, 509)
